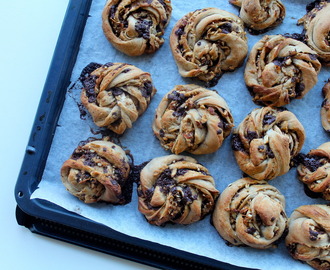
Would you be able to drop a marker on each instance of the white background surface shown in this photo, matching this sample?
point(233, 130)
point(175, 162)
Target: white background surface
point(29, 31)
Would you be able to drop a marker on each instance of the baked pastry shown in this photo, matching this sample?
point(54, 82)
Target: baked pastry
point(280, 69)
point(175, 189)
point(314, 170)
point(207, 42)
point(308, 238)
point(136, 27)
point(260, 15)
point(317, 29)
point(98, 171)
point(250, 213)
point(325, 108)
point(193, 119)
point(265, 142)
point(116, 94)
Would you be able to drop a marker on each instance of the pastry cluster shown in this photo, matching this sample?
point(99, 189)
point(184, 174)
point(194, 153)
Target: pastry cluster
point(308, 238)
point(97, 171)
point(250, 213)
point(116, 94)
point(266, 141)
point(136, 27)
point(280, 69)
point(260, 15)
point(207, 42)
point(193, 119)
point(317, 29)
point(314, 170)
point(175, 189)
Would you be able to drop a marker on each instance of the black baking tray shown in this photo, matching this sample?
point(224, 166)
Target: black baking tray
point(45, 218)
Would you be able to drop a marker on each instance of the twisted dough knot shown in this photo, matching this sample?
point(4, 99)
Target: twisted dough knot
point(265, 142)
point(207, 42)
point(260, 15)
point(325, 108)
point(136, 27)
point(317, 29)
point(192, 118)
point(280, 69)
point(314, 170)
point(250, 212)
point(97, 171)
point(175, 189)
point(116, 94)
point(308, 238)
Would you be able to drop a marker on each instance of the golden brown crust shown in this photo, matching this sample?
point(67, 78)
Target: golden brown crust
point(175, 189)
point(116, 94)
point(314, 170)
point(136, 27)
point(97, 171)
point(317, 30)
point(250, 212)
point(260, 15)
point(325, 108)
point(308, 238)
point(193, 119)
point(265, 142)
point(280, 69)
point(207, 42)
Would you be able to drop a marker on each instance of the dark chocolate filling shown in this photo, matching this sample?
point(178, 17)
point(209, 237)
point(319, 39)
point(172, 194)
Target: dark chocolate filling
point(268, 119)
point(143, 28)
point(236, 143)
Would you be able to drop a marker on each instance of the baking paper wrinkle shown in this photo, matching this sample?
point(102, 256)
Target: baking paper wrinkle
point(200, 238)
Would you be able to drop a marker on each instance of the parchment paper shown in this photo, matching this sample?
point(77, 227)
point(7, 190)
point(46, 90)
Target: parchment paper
point(199, 238)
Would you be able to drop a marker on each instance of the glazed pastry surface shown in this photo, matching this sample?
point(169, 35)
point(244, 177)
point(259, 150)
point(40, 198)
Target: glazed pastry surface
point(280, 69)
point(317, 29)
point(175, 189)
point(116, 94)
point(308, 238)
point(314, 170)
point(193, 119)
point(260, 15)
point(207, 42)
point(250, 213)
point(325, 108)
point(136, 27)
point(265, 142)
point(97, 171)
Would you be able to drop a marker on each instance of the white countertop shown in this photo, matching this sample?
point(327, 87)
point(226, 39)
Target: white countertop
point(29, 31)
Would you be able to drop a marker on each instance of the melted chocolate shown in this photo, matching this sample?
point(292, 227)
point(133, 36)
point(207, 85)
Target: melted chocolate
point(143, 28)
point(268, 119)
point(251, 135)
point(236, 143)
point(147, 89)
point(226, 28)
point(310, 161)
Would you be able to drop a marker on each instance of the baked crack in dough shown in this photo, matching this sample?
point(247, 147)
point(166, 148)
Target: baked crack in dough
point(280, 69)
point(136, 27)
point(116, 94)
point(314, 170)
point(260, 15)
point(317, 29)
point(265, 142)
point(207, 42)
point(250, 213)
point(308, 238)
point(325, 108)
point(97, 171)
point(175, 189)
point(193, 119)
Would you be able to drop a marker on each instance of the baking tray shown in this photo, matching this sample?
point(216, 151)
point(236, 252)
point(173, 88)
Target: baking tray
point(45, 218)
